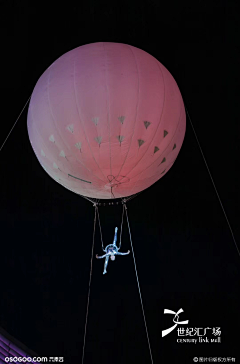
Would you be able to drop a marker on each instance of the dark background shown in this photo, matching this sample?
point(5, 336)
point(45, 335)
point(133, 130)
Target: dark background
point(186, 257)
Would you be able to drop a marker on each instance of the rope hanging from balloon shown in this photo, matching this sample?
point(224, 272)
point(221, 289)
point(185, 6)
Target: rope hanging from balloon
point(14, 123)
point(89, 284)
point(121, 226)
point(100, 228)
point(215, 188)
point(139, 290)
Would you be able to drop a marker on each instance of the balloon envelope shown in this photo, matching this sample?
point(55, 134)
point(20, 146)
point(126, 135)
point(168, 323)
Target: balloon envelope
point(106, 120)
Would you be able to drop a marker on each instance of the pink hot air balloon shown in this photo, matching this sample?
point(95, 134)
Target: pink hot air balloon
point(106, 120)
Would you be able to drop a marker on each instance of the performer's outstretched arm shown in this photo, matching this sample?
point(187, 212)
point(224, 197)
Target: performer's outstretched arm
point(102, 256)
point(119, 253)
point(115, 236)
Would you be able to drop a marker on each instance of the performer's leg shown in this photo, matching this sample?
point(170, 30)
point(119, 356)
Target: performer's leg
point(120, 253)
point(105, 264)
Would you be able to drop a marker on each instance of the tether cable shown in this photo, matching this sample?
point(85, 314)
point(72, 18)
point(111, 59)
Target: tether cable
point(145, 322)
point(15, 123)
point(121, 227)
point(89, 284)
point(100, 228)
point(224, 212)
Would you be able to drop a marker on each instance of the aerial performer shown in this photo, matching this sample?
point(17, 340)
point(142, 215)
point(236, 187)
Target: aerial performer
point(111, 250)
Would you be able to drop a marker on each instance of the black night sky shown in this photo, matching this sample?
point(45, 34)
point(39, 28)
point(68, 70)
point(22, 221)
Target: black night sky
point(185, 254)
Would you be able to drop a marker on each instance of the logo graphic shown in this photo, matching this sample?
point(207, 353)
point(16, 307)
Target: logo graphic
point(175, 320)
